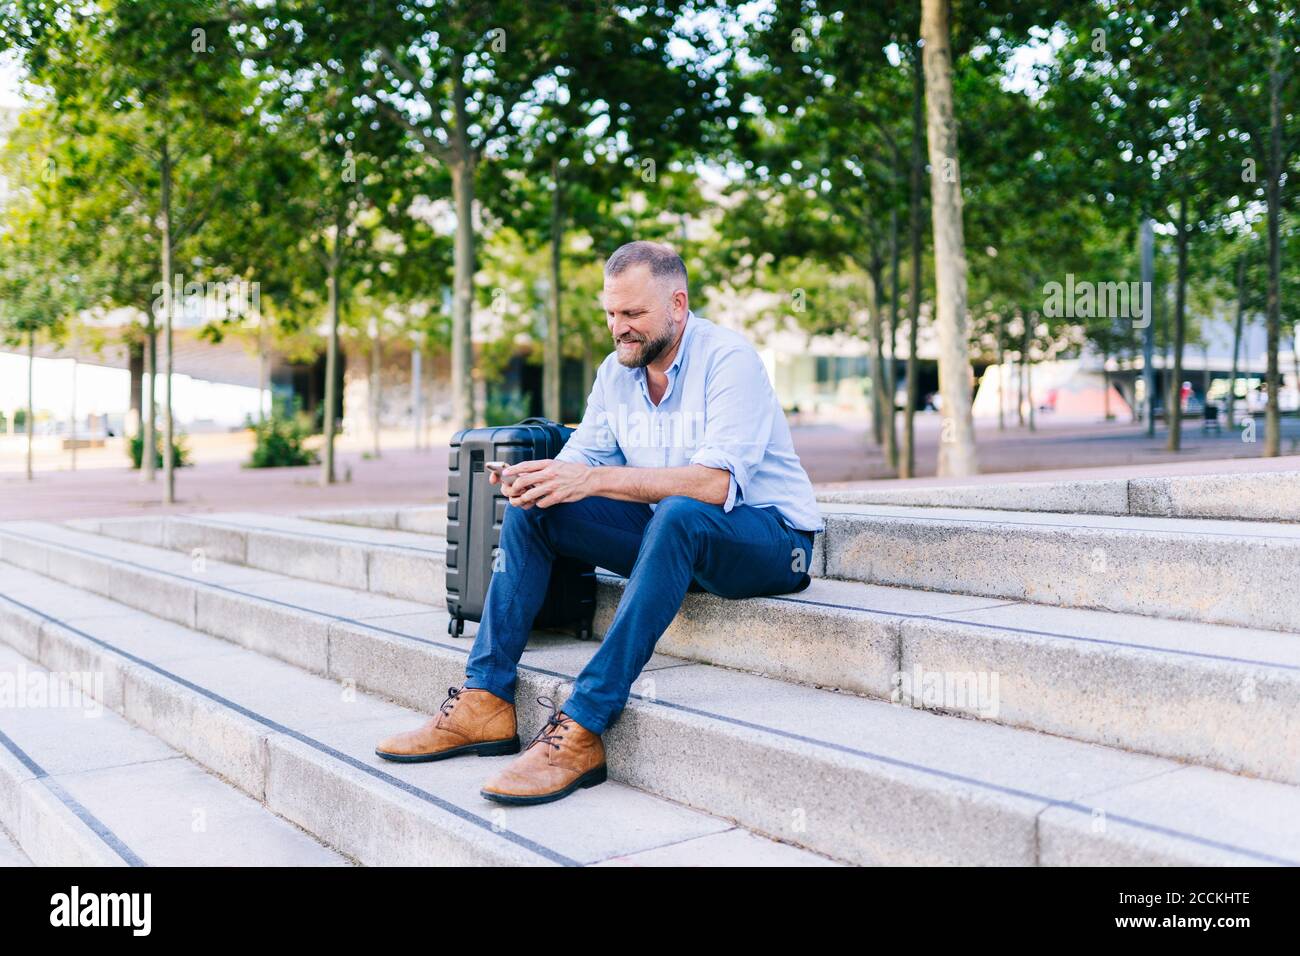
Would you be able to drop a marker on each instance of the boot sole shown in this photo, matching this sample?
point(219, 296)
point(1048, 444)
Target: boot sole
point(488, 748)
point(588, 779)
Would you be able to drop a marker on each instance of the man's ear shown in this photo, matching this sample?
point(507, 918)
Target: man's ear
point(681, 301)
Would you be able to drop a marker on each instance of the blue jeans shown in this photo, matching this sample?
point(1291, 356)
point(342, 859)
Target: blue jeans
point(683, 544)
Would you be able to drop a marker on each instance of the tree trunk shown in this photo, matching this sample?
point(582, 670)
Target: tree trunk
point(907, 463)
point(1272, 417)
point(462, 337)
point(135, 364)
point(1236, 339)
point(1021, 398)
point(417, 385)
point(462, 382)
point(1105, 385)
point(72, 423)
point(150, 438)
point(551, 354)
point(332, 353)
point(1166, 336)
point(1029, 388)
point(263, 367)
point(1002, 378)
point(891, 340)
point(1173, 403)
point(169, 464)
point(31, 408)
point(376, 363)
point(876, 270)
point(1028, 365)
point(957, 454)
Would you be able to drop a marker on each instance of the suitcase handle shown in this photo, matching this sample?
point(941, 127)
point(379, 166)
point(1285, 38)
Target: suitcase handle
point(538, 421)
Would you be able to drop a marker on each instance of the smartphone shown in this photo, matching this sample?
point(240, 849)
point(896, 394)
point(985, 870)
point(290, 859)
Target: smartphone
point(499, 467)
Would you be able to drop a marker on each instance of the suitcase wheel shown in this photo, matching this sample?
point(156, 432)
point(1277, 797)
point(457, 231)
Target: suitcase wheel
point(456, 626)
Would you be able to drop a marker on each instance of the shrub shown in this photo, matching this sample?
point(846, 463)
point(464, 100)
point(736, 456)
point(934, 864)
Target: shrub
point(280, 440)
point(180, 453)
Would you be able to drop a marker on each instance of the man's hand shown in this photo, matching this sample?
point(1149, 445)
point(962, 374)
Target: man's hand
point(546, 482)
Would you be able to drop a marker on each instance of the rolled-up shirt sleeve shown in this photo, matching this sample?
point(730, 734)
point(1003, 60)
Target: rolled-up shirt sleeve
point(593, 442)
point(739, 404)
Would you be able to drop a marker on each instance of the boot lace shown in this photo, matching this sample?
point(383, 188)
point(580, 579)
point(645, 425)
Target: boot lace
point(553, 723)
point(453, 694)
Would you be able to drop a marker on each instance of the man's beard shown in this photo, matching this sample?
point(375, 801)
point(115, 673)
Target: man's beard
point(650, 350)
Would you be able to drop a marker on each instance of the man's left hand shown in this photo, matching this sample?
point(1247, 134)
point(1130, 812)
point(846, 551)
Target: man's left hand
point(547, 482)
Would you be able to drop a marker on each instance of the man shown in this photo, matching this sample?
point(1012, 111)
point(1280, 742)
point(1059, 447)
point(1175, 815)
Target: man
point(682, 476)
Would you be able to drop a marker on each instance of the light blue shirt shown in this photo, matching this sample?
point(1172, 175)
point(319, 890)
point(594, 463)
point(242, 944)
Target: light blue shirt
point(719, 410)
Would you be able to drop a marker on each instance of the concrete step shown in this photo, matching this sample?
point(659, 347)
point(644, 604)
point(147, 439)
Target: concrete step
point(10, 853)
point(1210, 570)
point(1252, 496)
point(82, 787)
point(421, 519)
point(401, 564)
point(1218, 572)
point(861, 780)
point(303, 746)
point(1221, 696)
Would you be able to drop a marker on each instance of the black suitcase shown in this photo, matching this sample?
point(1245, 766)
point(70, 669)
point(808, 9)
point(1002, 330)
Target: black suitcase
point(475, 510)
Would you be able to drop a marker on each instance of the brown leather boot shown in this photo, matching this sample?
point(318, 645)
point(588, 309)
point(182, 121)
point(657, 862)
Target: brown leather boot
point(470, 721)
point(563, 757)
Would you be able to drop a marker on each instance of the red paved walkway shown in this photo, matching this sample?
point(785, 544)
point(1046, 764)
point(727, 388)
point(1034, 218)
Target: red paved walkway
point(831, 453)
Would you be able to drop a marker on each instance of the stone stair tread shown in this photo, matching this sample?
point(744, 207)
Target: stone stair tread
point(1111, 678)
point(127, 529)
point(10, 854)
point(976, 516)
point(1237, 495)
point(156, 557)
point(1137, 631)
point(347, 534)
point(612, 820)
point(992, 762)
point(162, 807)
point(417, 516)
point(828, 591)
point(1231, 642)
point(1141, 524)
point(1227, 642)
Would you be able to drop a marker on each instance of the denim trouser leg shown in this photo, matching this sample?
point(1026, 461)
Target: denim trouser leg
point(737, 554)
point(601, 531)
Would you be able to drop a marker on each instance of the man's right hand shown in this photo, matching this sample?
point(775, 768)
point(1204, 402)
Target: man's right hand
point(495, 479)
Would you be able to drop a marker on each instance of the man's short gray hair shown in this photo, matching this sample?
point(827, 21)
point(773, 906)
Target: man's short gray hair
point(663, 260)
